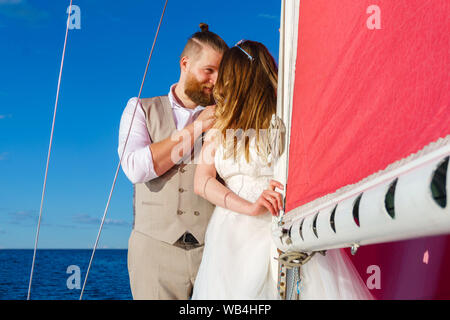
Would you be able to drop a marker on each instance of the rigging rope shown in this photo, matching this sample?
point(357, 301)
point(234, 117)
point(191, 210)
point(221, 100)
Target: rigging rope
point(49, 152)
point(123, 151)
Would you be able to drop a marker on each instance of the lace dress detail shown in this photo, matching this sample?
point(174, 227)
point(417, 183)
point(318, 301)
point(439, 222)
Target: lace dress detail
point(238, 259)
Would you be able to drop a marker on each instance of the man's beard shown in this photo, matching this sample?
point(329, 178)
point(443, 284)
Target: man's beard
point(194, 90)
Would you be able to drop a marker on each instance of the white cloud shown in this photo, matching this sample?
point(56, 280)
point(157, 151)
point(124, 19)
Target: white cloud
point(10, 1)
point(23, 217)
point(21, 9)
point(87, 219)
point(268, 16)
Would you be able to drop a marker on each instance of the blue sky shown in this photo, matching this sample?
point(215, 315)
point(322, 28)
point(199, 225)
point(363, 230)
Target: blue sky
point(104, 64)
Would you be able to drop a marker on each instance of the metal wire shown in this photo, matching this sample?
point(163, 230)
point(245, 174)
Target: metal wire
point(123, 152)
point(48, 155)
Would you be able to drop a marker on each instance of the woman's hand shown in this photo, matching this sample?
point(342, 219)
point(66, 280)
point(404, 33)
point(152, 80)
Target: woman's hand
point(269, 200)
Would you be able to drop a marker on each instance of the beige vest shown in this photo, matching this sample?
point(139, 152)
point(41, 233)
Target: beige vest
point(166, 207)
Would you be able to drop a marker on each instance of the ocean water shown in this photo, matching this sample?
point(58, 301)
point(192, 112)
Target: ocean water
point(58, 274)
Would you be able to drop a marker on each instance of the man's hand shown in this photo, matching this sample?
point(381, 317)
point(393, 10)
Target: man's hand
point(207, 118)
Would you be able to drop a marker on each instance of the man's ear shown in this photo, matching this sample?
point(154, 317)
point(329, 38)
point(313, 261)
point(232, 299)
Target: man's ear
point(184, 63)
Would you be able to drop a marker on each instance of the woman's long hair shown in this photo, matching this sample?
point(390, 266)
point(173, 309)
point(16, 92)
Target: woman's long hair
point(246, 98)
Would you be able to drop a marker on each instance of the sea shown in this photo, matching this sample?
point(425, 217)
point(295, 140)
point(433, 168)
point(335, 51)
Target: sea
point(59, 274)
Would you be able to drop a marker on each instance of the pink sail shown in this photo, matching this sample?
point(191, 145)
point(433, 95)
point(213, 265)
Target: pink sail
point(365, 98)
point(371, 88)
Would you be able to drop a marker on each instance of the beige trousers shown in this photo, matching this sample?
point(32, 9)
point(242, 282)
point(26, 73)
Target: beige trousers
point(160, 271)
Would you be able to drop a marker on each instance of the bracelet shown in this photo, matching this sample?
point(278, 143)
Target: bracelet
point(204, 186)
point(225, 199)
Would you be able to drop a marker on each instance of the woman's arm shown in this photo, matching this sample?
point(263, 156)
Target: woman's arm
point(207, 186)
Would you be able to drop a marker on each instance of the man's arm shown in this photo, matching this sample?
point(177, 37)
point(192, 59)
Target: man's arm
point(171, 150)
point(144, 160)
point(137, 162)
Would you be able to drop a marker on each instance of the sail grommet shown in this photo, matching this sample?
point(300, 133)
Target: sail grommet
point(389, 199)
point(314, 225)
point(356, 210)
point(439, 182)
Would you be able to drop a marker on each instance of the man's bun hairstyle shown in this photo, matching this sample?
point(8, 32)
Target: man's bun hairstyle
point(204, 27)
point(204, 37)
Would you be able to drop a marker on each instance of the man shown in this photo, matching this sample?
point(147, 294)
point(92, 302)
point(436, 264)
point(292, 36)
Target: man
point(170, 220)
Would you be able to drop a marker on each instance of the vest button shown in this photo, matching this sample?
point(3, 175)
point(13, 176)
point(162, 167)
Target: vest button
point(181, 190)
point(196, 213)
point(180, 212)
point(182, 170)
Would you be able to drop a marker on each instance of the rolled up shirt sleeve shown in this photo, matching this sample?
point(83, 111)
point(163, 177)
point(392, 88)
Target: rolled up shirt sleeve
point(137, 161)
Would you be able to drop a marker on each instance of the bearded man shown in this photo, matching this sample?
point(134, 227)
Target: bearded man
point(170, 220)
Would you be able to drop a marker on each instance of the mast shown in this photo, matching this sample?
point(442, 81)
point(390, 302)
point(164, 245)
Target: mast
point(286, 79)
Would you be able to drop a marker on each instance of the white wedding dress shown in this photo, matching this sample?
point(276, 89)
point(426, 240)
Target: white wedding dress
point(238, 258)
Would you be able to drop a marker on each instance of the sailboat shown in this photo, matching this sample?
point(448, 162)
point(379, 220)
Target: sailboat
point(364, 95)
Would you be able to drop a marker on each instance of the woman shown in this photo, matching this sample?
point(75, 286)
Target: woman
point(238, 259)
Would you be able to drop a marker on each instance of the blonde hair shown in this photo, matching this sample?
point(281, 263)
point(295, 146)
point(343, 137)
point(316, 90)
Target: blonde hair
point(246, 98)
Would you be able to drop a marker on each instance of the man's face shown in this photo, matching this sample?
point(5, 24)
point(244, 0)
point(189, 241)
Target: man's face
point(201, 76)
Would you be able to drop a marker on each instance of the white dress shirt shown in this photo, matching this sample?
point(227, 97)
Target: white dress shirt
point(137, 162)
